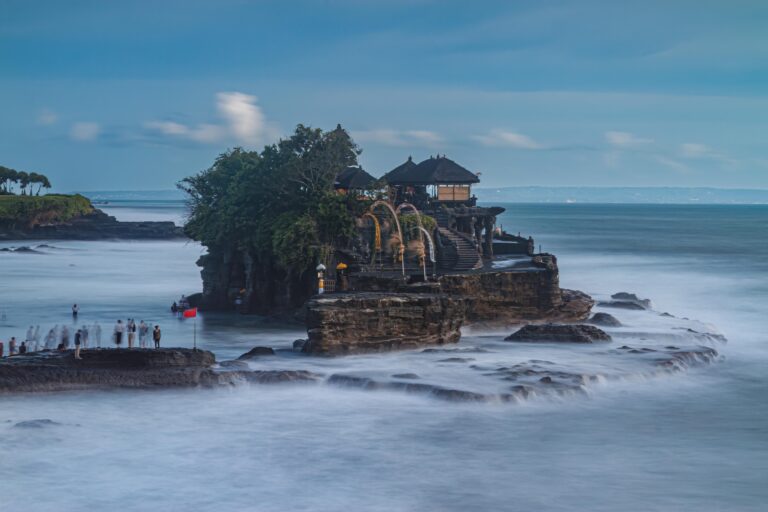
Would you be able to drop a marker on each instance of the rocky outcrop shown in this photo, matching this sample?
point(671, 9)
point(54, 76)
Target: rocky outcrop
point(137, 368)
point(96, 225)
point(510, 297)
point(257, 352)
point(347, 323)
point(605, 320)
point(559, 333)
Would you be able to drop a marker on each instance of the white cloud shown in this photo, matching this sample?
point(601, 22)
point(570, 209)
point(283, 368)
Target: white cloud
point(508, 139)
point(243, 122)
point(84, 131)
point(625, 139)
point(672, 164)
point(205, 133)
point(398, 138)
point(694, 150)
point(47, 117)
point(245, 118)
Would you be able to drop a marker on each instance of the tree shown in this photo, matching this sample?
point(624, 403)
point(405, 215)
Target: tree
point(22, 178)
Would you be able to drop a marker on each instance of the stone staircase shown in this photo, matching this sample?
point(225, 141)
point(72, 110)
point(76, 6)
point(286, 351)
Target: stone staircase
point(459, 253)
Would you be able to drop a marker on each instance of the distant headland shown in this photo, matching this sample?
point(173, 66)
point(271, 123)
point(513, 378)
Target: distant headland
point(27, 215)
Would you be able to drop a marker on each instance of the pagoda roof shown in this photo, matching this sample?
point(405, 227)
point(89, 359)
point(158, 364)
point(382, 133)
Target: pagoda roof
point(354, 178)
point(433, 171)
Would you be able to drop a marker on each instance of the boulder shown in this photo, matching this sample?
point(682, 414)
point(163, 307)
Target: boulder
point(257, 352)
point(559, 333)
point(604, 319)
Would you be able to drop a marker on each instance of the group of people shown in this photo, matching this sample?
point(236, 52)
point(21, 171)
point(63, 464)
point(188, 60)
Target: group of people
point(84, 336)
point(129, 328)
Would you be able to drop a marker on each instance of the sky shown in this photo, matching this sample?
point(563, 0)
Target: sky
point(135, 95)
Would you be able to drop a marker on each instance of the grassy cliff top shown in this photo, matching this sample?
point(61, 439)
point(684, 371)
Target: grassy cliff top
point(28, 211)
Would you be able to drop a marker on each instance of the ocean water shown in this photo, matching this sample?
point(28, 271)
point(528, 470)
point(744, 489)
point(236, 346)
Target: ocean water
point(631, 438)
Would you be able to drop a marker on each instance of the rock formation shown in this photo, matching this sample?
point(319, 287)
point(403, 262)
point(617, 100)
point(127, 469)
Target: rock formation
point(345, 323)
point(559, 333)
point(95, 225)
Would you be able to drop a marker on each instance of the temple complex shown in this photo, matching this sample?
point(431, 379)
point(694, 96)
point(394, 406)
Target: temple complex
point(426, 223)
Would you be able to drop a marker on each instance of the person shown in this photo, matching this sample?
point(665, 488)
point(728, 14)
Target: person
point(174, 308)
point(97, 333)
point(50, 340)
point(65, 337)
point(30, 333)
point(156, 336)
point(143, 331)
point(1, 349)
point(23, 348)
point(12, 346)
point(119, 329)
point(84, 331)
point(131, 332)
point(75, 311)
point(78, 339)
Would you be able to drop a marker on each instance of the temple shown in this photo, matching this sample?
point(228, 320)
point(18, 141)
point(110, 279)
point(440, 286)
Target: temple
point(426, 222)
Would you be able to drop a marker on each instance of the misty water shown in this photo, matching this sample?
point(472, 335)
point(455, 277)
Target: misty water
point(634, 438)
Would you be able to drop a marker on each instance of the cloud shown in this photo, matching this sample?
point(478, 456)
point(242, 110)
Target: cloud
point(507, 139)
point(47, 117)
point(203, 133)
point(84, 131)
point(245, 119)
point(625, 139)
point(672, 164)
point(243, 122)
point(398, 138)
point(695, 150)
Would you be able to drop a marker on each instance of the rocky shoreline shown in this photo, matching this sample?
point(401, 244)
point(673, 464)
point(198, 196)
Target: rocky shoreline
point(96, 225)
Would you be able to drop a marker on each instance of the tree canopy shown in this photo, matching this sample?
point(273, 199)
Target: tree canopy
point(279, 204)
point(25, 180)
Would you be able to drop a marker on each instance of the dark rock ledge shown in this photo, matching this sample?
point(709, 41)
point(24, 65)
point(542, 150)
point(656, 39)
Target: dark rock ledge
point(137, 368)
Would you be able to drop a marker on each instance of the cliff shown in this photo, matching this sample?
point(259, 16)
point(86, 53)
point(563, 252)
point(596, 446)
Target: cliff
point(60, 217)
point(514, 296)
point(343, 323)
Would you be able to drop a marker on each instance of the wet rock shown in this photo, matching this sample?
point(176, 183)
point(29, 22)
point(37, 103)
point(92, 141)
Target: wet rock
point(631, 297)
point(257, 352)
point(345, 323)
point(605, 320)
point(622, 304)
point(474, 350)
point(411, 376)
point(546, 380)
point(456, 360)
point(240, 365)
point(280, 376)
point(41, 423)
point(298, 345)
point(559, 333)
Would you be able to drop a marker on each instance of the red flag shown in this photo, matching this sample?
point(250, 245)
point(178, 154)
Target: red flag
point(190, 313)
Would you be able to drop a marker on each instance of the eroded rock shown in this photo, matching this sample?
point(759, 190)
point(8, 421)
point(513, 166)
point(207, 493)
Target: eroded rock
point(559, 333)
point(605, 320)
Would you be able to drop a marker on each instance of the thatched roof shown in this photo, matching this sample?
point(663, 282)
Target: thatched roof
point(354, 178)
point(433, 171)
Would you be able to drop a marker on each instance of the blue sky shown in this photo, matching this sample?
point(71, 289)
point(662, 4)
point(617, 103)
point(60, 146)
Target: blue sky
point(136, 95)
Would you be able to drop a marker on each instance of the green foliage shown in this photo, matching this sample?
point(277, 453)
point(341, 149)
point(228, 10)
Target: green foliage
point(279, 204)
point(25, 180)
point(27, 211)
point(409, 222)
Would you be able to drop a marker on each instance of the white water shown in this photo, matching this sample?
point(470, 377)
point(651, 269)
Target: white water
point(688, 441)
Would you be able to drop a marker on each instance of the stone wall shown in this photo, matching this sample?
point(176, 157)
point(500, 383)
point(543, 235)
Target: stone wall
point(345, 323)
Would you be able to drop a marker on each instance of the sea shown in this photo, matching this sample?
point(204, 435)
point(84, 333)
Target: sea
point(633, 436)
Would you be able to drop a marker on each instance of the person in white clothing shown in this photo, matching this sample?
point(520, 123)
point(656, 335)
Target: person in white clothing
point(97, 334)
point(143, 331)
